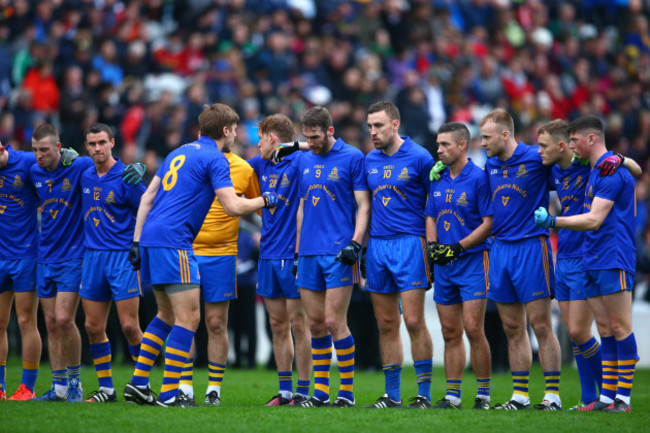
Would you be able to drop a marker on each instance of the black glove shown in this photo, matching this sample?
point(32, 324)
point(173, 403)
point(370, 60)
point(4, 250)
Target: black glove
point(133, 173)
point(284, 150)
point(445, 254)
point(134, 256)
point(362, 264)
point(349, 254)
point(294, 268)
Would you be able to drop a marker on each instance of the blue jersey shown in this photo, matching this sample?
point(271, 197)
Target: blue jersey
point(62, 231)
point(18, 203)
point(399, 184)
point(327, 184)
point(109, 208)
point(612, 246)
point(459, 205)
point(570, 185)
point(189, 176)
point(279, 223)
point(519, 186)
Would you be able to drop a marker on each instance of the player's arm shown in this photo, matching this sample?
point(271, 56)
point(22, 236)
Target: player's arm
point(299, 213)
point(146, 203)
point(609, 166)
point(238, 206)
point(363, 215)
point(591, 220)
point(431, 229)
point(632, 166)
point(478, 235)
point(253, 190)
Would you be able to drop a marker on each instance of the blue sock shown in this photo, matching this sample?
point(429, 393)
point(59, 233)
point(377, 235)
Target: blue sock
point(321, 352)
point(393, 377)
point(74, 373)
point(453, 388)
point(610, 368)
point(303, 387)
point(483, 384)
point(59, 382)
point(179, 344)
point(30, 373)
point(588, 383)
point(3, 372)
point(590, 351)
point(286, 381)
point(101, 353)
point(134, 350)
point(423, 372)
point(626, 351)
point(345, 357)
point(152, 342)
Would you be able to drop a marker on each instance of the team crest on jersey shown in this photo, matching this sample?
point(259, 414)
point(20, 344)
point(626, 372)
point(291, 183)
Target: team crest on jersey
point(18, 182)
point(314, 200)
point(522, 171)
point(504, 200)
point(2, 209)
point(462, 200)
point(579, 182)
point(110, 198)
point(385, 200)
point(334, 175)
point(66, 185)
point(373, 171)
point(96, 221)
point(447, 225)
point(53, 213)
point(404, 175)
point(285, 180)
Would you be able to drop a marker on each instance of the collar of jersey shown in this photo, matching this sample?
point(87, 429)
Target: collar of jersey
point(113, 169)
point(464, 172)
point(207, 140)
point(337, 146)
point(605, 155)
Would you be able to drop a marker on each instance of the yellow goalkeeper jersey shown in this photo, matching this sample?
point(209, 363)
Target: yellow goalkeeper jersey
point(219, 232)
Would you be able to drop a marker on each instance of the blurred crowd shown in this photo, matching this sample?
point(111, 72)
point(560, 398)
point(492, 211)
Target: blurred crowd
point(146, 67)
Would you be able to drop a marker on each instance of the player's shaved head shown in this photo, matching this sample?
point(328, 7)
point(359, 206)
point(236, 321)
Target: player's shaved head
point(458, 131)
point(214, 118)
point(390, 109)
point(589, 124)
point(46, 131)
point(278, 124)
point(500, 117)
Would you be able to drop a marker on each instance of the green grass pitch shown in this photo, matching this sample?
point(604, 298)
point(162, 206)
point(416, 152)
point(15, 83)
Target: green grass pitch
point(244, 393)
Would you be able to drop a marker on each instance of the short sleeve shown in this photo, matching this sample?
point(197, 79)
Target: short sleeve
point(609, 187)
point(430, 209)
point(483, 195)
point(357, 171)
point(219, 172)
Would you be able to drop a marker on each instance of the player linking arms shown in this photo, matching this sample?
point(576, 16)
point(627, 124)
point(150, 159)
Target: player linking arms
point(459, 223)
point(167, 223)
point(608, 259)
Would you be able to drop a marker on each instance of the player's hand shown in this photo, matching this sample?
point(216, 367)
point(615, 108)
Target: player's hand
point(133, 173)
point(362, 264)
point(437, 168)
point(294, 268)
point(349, 254)
point(610, 164)
point(270, 199)
point(134, 256)
point(580, 161)
point(284, 149)
point(68, 155)
point(543, 219)
point(446, 253)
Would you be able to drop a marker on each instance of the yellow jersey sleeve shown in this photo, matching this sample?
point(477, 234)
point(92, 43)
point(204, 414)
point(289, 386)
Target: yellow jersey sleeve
point(219, 232)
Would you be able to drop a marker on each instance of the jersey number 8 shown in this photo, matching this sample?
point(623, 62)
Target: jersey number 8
point(169, 181)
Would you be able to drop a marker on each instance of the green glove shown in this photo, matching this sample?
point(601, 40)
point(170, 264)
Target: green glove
point(437, 168)
point(580, 161)
point(68, 155)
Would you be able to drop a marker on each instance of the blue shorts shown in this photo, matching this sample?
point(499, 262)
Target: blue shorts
point(220, 277)
point(607, 281)
point(52, 278)
point(397, 264)
point(18, 275)
point(521, 271)
point(275, 280)
point(462, 280)
point(323, 272)
point(107, 275)
point(168, 266)
point(569, 280)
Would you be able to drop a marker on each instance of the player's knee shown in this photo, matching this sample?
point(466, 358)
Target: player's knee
point(619, 328)
point(64, 320)
point(131, 329)
point(279, 326)
point(474, 329)
point(414, 324)
point(451, 334)
point(215, 325)
point(578, 334)
point(94, 329)
point(542, 328)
